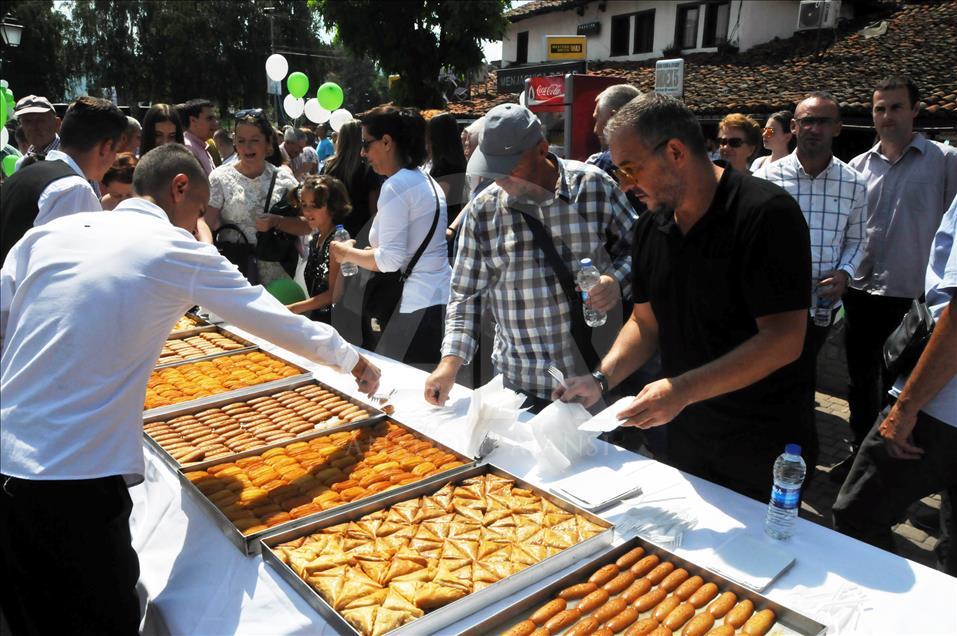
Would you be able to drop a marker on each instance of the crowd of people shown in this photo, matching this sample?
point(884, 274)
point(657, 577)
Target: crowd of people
point(722, 276)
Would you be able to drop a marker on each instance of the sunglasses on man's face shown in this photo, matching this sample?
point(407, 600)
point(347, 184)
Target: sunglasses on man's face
point(251, 113)
point(734, 142)
point(365, 143)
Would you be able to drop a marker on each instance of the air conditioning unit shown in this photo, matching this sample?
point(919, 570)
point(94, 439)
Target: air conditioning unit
point(818, 14)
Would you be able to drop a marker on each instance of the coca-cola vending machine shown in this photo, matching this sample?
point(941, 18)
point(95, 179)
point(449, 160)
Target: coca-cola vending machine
point(565, 105)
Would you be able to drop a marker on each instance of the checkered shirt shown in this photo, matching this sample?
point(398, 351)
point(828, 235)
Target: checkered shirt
point(834, 204)
point(498, 264)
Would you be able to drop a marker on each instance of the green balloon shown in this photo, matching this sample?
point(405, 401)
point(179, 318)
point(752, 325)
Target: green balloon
point(297, 83)
point(329, 96)
point(10, 162)
point(286, 291)
point(3, 112)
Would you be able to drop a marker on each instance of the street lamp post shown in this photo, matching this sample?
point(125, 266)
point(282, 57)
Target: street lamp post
point(11, 30)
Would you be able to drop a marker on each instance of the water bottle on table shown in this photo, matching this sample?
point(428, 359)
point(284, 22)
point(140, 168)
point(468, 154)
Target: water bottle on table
point(789, 472)
point(342, 234)
point(588, 277)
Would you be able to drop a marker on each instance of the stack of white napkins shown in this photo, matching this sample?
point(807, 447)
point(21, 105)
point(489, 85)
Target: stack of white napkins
point(493, 409)
point(560, 443)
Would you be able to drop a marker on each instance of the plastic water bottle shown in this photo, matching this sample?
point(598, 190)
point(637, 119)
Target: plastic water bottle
point(789, 472)
point(342, 234)
point(822, 311)
point(588, 277)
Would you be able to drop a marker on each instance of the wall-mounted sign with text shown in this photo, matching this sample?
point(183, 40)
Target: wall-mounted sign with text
point(512, 80)
point(565, 47)
point(589, 28)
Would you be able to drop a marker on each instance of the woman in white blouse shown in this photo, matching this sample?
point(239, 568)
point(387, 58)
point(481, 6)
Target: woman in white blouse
point(393, 142)
point(237, 191)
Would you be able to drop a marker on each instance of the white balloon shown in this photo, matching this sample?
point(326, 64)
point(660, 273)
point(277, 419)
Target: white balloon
point(276, 67)
point(316, 113)
point(3, 84)
point(4, 136)
point(293, 106)
point(338, 118)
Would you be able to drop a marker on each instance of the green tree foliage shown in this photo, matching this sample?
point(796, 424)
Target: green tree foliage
point(41, 64)
point(416, 38)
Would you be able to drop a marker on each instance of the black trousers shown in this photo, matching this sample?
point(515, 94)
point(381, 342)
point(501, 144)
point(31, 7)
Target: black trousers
point(879, 489)
point(68, 563)
point(870, 320)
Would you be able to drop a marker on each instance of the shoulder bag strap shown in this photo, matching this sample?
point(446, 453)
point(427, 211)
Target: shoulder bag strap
point(580, 331)
point(272, 184)
point(428, 237)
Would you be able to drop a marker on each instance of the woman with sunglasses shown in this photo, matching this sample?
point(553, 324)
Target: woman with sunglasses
point(739, 137)
point(777, 138)
point(393, 142)
point(237, 191)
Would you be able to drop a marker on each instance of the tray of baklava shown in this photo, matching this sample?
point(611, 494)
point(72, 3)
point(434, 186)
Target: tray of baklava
point(419, 561)
point(173, 386)
point(189, 323)
point(640, 589)
point(231, 425)
point(272, 489)
point(201, 343)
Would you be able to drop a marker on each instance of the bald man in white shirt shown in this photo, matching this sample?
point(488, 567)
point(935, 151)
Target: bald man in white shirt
point(86, 303)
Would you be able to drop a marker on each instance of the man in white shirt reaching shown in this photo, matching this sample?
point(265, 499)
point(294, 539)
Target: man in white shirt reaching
point(86, 303)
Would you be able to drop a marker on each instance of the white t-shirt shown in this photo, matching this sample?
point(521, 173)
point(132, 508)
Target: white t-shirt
point(65, 196)
point(406, 209)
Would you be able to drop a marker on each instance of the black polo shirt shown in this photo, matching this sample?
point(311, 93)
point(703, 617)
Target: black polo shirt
point(747, 257)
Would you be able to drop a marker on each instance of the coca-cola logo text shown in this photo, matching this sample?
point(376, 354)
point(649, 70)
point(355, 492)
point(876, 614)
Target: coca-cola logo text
point(547, 91)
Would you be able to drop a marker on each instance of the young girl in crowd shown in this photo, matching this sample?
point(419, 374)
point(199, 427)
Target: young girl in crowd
point(118, 181)
point(324, 202)
point(161, 125)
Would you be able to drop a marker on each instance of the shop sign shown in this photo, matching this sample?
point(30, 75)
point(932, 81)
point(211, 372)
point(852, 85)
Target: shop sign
point(670, 77)
point(589, 28)
point(512, 80)
point(565, 47)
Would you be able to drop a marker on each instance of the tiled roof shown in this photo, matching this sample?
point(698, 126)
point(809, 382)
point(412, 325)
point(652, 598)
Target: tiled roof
point(538, 7)
point(919, 41)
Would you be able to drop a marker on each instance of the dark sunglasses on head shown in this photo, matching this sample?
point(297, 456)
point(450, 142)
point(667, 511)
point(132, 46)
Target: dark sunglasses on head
point(734, 142)
point(252, 113)
point(368, 142)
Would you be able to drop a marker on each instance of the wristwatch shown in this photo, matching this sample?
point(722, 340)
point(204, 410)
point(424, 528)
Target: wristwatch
point(602, 381)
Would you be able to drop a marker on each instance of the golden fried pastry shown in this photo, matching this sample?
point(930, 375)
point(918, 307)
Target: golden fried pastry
point(394, 565)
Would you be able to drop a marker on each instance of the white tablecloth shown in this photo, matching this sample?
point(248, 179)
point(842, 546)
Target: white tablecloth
point(199, 583)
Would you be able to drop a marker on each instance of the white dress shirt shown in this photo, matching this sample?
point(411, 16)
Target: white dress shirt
point(86, 303)
point(834, 205)
point(406, 211)
point(68, 195)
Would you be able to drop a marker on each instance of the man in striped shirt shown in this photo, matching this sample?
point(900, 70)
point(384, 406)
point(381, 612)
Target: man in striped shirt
point(833, 198)
point(501, 263)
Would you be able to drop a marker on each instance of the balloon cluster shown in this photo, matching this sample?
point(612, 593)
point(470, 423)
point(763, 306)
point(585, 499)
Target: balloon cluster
point(324, 107)
point(7, 105)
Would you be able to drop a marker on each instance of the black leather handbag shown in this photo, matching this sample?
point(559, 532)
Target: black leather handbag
point(383, 292)
point(241, 254)
point(276, 245)
point(904, 346)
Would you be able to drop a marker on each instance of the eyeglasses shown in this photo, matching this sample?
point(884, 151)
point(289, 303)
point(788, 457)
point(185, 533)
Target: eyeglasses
point(620, 172)
point(767, 132)
point(807, 122)
point(733, 142)
point(365, 143)
point(252, 113)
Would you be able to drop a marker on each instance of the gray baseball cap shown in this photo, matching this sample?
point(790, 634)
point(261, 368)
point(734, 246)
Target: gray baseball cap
point(510, 130)
point(33, 104)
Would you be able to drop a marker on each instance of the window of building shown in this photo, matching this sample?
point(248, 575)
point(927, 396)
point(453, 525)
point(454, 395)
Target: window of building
point(644, 32)
point(620, 27)
point(716, 16)
point(686, 27)
point(521, 53)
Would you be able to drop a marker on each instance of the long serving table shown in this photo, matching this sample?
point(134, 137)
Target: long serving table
point(197, 582)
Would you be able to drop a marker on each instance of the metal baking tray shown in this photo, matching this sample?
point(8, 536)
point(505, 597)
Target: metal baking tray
point(182, 335)
point(253, 392)
point(171, 410)
point(201, 323)
point(436, 620)
point(791, 621)
point(251, 544)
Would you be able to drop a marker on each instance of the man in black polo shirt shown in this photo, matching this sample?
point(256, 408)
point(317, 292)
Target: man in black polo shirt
point(720, 279)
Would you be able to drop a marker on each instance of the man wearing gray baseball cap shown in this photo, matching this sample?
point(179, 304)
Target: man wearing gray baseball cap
point(36, 115)
point(519, 251)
